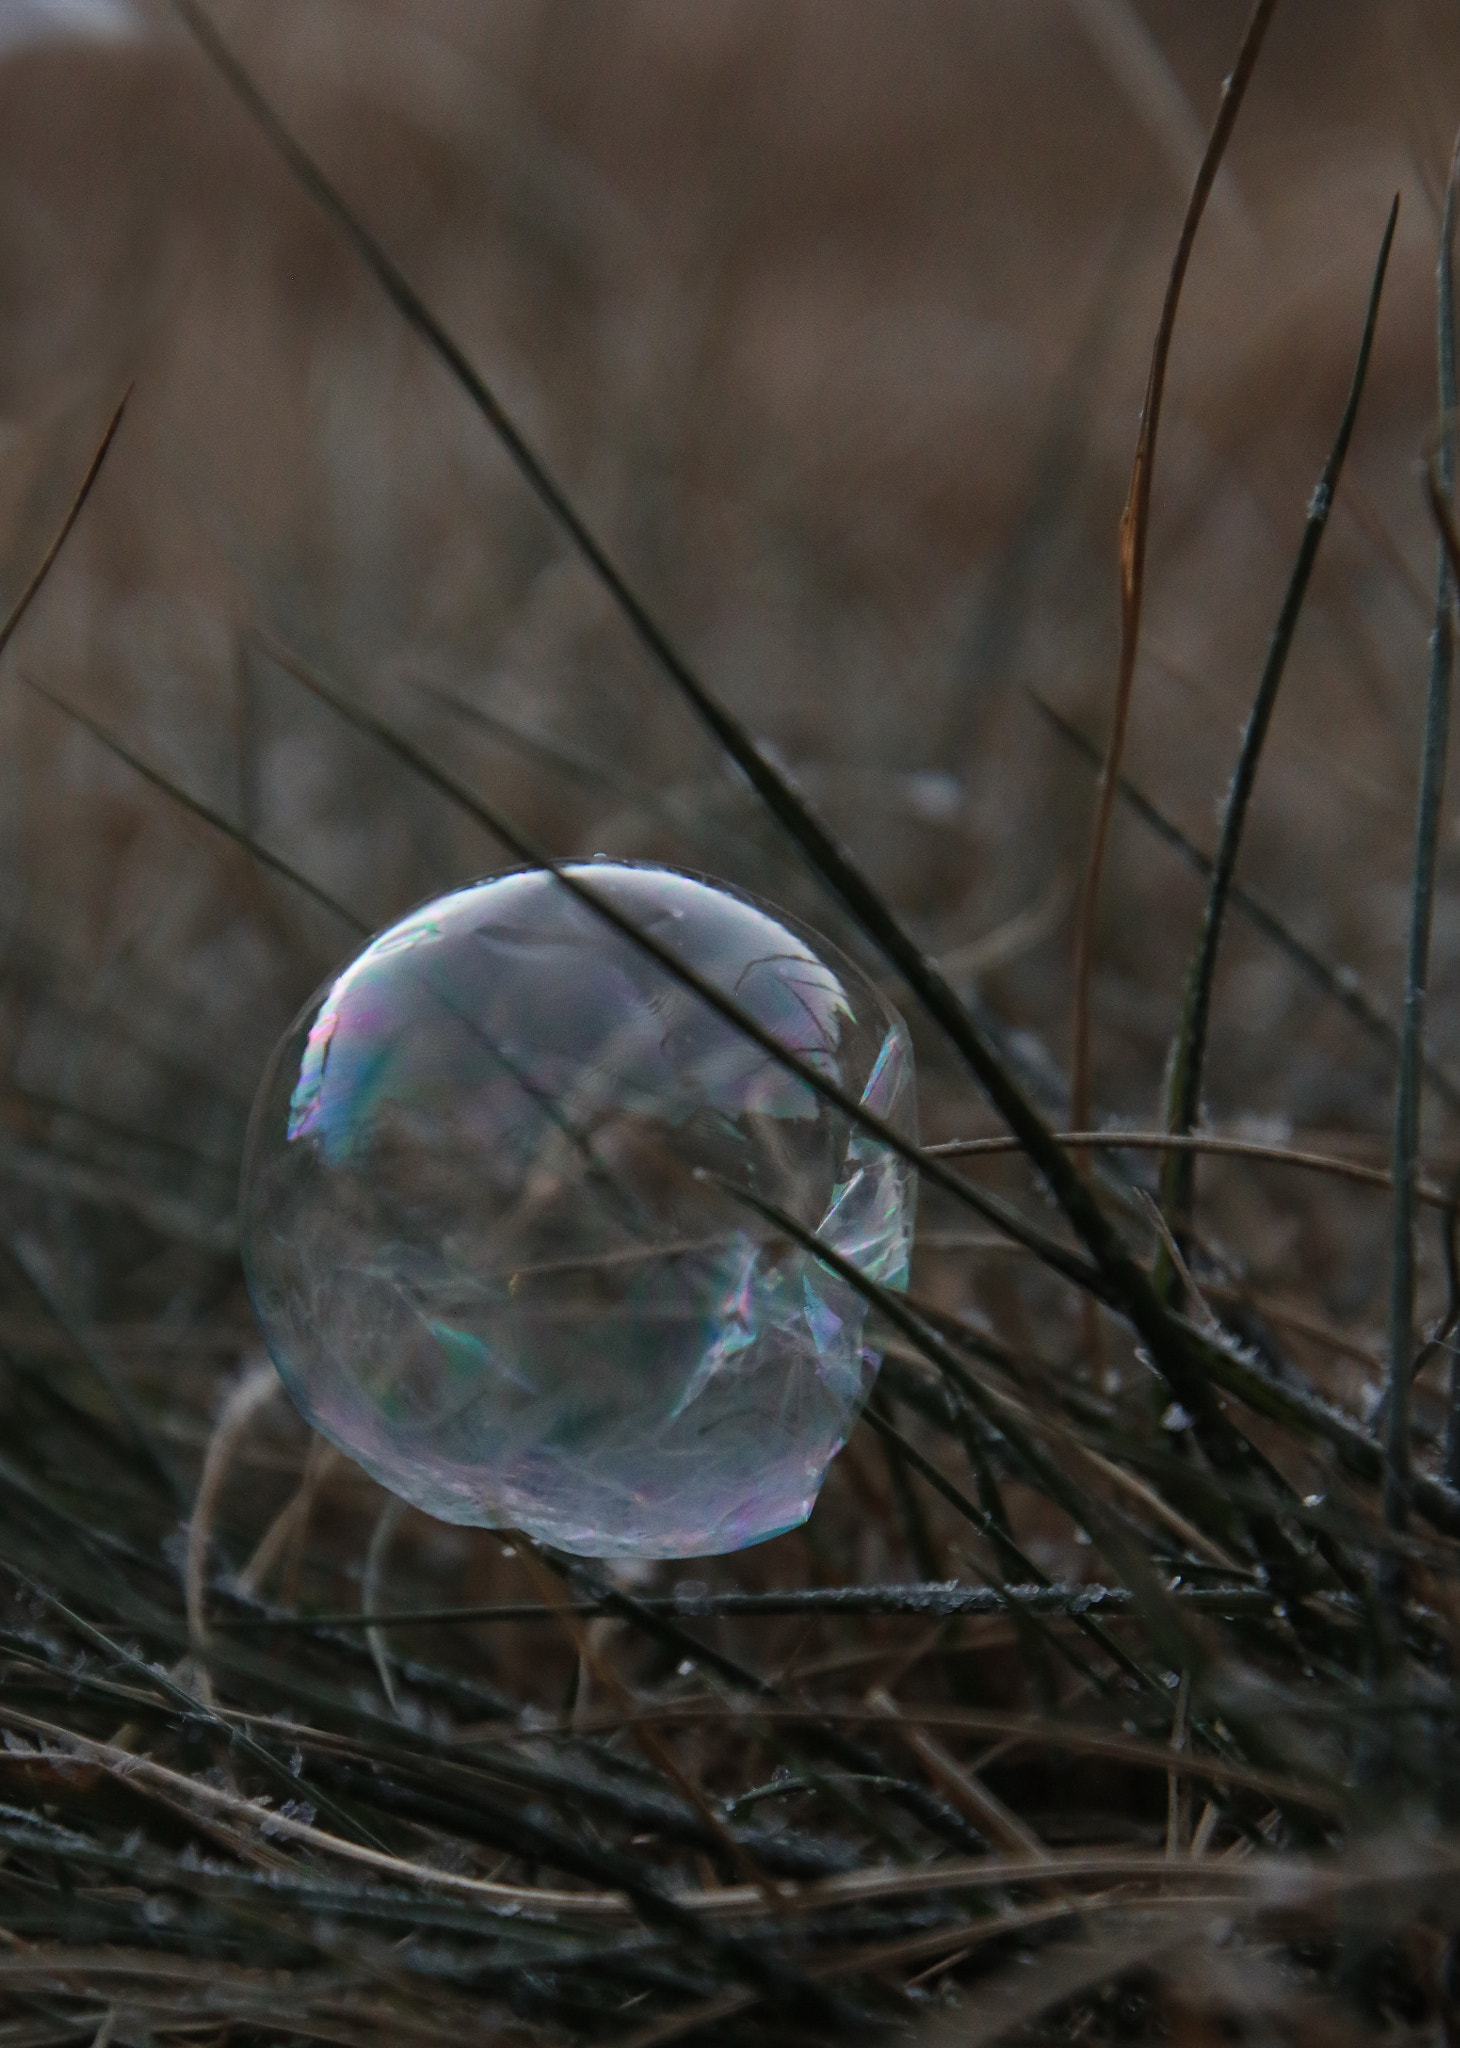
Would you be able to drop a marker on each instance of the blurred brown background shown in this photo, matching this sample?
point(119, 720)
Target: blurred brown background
point(834, 317)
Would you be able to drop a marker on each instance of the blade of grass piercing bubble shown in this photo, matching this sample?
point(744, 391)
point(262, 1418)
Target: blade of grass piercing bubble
point(1135, 523)
point(1056, 1256)
point(1188, 1059)
point(1440, 484)
point(829, 859)
point(200, 810)
point(1339, 984)
point(63, 533)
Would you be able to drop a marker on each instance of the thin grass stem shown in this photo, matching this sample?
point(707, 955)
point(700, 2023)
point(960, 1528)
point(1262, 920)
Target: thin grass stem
point(1213, 1143)
point(1429, 809)
point(1135, 524)
point(1188, 1056)
point(1340, 985)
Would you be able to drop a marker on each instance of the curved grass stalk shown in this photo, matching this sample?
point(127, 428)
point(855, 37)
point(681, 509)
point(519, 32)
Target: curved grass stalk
point(1196, 1143)
point(1135, 525)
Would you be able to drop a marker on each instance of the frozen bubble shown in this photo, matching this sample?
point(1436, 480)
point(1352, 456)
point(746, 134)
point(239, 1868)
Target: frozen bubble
point(480, 1245)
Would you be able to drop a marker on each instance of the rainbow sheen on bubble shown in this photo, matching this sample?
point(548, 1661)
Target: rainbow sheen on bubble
point(480, 1246)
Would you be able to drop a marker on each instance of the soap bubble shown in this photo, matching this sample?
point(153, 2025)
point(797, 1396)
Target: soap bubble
point(480, 1245)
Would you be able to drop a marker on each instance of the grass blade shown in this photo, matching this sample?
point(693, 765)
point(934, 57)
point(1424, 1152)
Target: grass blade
point(524, 849)
point(1135, 522)
point(1188, 1059)
point(200, 810)
point(47, 561)
point(1408, 1084)
point(1339, 984)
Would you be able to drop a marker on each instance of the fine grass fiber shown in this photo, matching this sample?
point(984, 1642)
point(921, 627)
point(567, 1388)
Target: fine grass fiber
point(441, 437)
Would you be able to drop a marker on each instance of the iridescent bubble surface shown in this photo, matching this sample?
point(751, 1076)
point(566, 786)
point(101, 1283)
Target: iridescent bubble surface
point(479, 1246)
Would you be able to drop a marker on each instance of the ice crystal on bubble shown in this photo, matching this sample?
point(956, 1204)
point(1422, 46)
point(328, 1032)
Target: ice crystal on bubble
point(480, 1243)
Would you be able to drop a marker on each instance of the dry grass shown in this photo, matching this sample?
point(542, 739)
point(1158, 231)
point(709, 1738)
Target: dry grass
point(1084, 1709)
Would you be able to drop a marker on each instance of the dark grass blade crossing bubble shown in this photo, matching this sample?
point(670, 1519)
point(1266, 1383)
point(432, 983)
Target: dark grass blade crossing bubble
point(1115, 1277)
point(1188, 1057)
point(1171, 1629)
point(1056, 1256)
point(1039, 1468)
point(1127, 1285)
point(1233, 1452)
point(1124, 1282)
